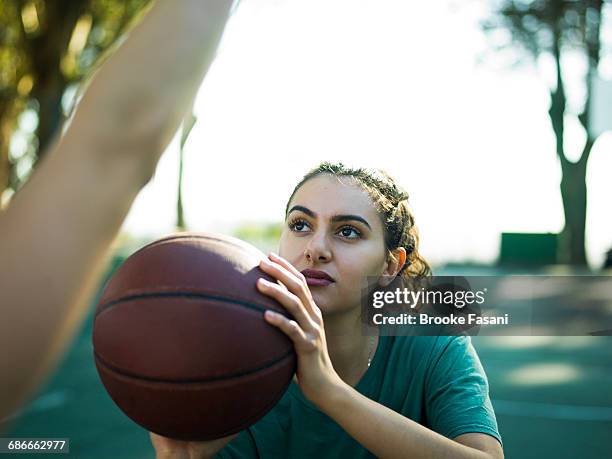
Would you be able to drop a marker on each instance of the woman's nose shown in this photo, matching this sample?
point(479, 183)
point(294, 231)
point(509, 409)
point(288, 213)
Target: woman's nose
point(317, 249)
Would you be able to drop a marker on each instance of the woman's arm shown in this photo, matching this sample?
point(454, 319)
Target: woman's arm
point(384, 432)
point(56, 231)
point(388, 434)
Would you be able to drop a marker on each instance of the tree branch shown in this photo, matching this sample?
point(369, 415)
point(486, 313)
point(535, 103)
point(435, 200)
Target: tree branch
point(586, 152)
point(558, 100)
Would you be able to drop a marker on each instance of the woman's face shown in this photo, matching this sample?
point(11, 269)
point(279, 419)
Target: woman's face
point(332, 227)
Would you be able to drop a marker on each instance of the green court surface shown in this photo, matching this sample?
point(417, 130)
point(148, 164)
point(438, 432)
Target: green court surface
point(552, 397)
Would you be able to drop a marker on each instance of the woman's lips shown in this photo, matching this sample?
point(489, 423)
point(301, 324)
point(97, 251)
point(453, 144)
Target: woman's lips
point(316, 278)
point(315, 282)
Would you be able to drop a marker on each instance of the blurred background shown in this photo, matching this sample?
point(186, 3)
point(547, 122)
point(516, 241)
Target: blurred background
point(496, 116)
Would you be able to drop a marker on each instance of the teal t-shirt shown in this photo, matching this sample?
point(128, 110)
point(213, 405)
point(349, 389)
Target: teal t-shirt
point(437, 381)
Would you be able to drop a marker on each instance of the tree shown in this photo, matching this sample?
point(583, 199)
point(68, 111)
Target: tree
point(188, 123)
point(553, 28)
point(47, 47)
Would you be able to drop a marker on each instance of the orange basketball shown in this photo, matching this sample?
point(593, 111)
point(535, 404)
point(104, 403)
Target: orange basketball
point(180, 341)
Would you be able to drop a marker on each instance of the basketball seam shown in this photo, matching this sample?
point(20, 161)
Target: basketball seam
point(237, 375)
point(250, 421)
point(246, 423)
point(190, 295)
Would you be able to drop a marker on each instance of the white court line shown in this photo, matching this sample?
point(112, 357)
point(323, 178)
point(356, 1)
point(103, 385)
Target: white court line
point(553, 411)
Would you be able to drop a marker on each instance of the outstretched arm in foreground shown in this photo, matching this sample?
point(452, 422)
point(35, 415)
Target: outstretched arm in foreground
point(57, 229)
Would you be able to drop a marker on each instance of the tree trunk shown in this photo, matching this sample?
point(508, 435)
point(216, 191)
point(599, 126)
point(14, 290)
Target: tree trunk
point(45, 51)
point(574, 195)
point(48, 93)
point(5, 167)
point(188, 124)
point(8, 114)
point(573, 175)
point(180, 215)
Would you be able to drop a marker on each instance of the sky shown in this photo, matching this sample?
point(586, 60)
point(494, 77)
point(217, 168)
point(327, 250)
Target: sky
point(381, 83)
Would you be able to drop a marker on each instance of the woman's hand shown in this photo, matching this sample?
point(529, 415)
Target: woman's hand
point(315, 373)
point(168, 448)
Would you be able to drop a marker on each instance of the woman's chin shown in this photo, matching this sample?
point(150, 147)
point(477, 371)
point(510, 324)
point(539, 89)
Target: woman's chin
point(319, 299)
point(322, 301)
point(327, 301)
point(329, 308)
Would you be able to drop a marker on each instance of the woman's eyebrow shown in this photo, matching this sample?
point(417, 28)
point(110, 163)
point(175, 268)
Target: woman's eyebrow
point(343, 218)
point(335, 218)
point(306, 210)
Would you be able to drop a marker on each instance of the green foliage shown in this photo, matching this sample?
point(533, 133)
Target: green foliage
point(47, 47)
point(264, 236)
point(261, 231)
point(538, 26)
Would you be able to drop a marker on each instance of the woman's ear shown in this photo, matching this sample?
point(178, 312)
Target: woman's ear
point(394, 264)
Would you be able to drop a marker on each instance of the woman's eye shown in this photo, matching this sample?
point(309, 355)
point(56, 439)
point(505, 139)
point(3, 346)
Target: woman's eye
point(349, 232)
point(298, 226)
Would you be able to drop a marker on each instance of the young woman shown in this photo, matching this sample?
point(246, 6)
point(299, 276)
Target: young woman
point(357, 396)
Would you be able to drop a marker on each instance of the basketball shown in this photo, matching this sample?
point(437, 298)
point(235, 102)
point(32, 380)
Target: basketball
point(180, 341)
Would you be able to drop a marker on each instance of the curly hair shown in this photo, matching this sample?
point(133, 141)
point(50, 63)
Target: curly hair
point(391, 203)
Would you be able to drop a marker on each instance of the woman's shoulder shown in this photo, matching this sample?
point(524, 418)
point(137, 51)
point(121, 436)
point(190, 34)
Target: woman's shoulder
point(428, 344)
point(427, 352)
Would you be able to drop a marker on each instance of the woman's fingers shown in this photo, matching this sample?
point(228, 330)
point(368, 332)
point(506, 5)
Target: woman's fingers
point(290, 301)
point(290, 327)
point(295, 283)
point(309, 303)
point(281, 261)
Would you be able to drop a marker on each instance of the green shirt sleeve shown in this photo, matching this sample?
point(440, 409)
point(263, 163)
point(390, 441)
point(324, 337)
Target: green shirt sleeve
point(457, 391)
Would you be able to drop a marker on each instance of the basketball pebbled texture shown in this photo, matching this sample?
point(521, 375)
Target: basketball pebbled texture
point(180, 342)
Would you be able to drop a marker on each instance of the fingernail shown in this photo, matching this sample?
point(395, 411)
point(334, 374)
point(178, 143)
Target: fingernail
point(273, 255)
